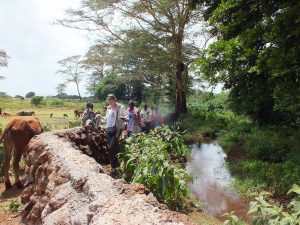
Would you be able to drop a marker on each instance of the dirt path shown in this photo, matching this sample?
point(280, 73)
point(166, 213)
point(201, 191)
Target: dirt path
point(7, 218)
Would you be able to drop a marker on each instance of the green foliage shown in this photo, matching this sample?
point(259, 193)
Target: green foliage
point(271, 144)
point(19, 96)
point(262, 212)
point(30, 94)
point(110, 85)
point(55, 102)
point(255, 174)
point(147, 158)
point(46, 127)
point(272, 152)
point(235, 135)
point(233, 219)
point(37, 100)
point(208, 113)
point(13, 207)
point(74, 123)
point(256, 56)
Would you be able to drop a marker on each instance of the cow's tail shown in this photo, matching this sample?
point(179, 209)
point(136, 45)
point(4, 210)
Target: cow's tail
point(7, 128)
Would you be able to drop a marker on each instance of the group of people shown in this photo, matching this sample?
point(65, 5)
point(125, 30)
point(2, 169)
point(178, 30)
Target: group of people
point(118, 119)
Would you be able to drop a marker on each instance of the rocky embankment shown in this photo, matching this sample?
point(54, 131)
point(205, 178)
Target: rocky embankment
point(68, 186)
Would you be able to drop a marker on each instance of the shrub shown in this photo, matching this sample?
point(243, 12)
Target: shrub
point(265, 213)
point(13, 207)
point(74, 123)
point(55, 102)
point(235, 135)
point(30, 95)
point(46, 127)
point(276, 177)
point(146, 160)
point(269, 145)
point(37, 100)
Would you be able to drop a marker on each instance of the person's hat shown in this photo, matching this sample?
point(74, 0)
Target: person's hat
point(111, 96)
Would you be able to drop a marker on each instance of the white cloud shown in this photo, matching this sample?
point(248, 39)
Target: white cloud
point(35, 45)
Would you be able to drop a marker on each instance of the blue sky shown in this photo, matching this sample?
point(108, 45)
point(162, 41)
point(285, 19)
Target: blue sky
point(35, 45)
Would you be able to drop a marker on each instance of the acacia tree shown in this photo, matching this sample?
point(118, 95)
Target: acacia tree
point(170, 19)
point(3, 60)
point(61, 88)
point(94, 62)
point(72, 71)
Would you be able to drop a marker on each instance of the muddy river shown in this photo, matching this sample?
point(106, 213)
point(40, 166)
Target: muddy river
point(212, 182)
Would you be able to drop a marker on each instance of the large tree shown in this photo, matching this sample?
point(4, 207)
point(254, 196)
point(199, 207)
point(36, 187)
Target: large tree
point(3, 60)
point(256, 56)
point(94, 63)
point(72, 71)
point(170, 20)
point(61, 88)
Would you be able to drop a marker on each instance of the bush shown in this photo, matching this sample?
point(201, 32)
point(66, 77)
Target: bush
point(146, 160)
point(30, 95)
point(271, 145)
point(13, 207)
point(46, 127)
point(74, 123)
point(55, 102)
point(37, 100)
point(235, 135)
point(264, 213)
point(276, 177)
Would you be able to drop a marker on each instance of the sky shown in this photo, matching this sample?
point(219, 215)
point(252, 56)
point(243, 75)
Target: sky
point(35, 44)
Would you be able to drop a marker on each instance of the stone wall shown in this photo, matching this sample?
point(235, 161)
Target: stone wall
point(67, 186)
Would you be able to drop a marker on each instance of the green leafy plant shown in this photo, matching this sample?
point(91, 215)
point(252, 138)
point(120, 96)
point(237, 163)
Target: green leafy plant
point(147, 159)
point(46, 127)
point(37, 100)
point(262, 212)
point(13, 207)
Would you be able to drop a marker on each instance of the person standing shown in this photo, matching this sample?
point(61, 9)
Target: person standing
point(114, 126)
point(146, 115)
point(89, 116)
point(134, 119)
point(156, 119)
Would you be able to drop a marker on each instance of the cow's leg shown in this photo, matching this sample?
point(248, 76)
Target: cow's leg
point(16, 166)
point(8, 147)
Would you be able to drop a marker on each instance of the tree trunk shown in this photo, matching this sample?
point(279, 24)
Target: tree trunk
point(181, 83)
point(77, 86)
point(181, 79)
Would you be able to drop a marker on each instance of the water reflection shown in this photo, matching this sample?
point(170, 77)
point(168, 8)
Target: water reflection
point(212, 183)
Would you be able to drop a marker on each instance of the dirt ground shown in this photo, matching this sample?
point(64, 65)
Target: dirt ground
point(7, 218)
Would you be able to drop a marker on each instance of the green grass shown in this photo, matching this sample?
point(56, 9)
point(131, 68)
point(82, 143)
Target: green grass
point(56, 106)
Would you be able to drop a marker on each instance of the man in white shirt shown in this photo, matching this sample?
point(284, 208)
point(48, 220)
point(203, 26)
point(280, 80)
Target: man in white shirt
point(146, 118)
point(114, 126)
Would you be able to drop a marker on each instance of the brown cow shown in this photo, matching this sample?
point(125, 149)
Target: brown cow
point(26, 113)
point(77, 113)
point(5, 114)
point(16, 136)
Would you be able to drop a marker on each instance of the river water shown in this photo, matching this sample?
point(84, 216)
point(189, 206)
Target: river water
point(212, 182)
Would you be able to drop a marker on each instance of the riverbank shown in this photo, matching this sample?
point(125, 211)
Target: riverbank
point(259, 157)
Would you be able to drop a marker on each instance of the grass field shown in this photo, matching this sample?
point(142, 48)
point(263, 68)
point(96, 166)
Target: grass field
point(56, 106)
